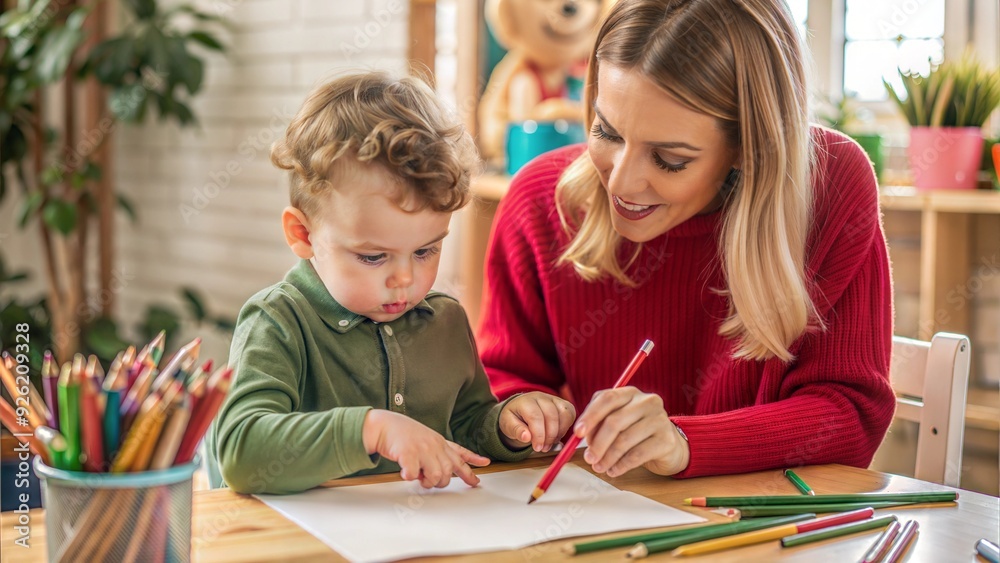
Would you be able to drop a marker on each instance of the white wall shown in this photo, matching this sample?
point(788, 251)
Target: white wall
point(209, 199)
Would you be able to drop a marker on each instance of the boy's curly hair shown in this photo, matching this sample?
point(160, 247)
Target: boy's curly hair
point(375, 118)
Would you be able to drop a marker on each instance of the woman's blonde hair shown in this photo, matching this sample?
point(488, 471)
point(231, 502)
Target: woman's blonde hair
point(372, 117)
point(740, 62)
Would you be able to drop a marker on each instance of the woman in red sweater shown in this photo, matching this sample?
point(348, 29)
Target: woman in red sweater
point(706, 214)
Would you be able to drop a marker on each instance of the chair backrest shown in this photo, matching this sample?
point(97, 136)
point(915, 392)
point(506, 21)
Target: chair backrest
point(931, 382)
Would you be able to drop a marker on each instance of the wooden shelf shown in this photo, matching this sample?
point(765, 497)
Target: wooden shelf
point(907, 198)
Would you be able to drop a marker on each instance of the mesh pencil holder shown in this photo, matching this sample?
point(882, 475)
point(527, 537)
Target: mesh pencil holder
point(144, 516)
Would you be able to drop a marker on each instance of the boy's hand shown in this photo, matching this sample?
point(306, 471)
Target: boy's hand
point(536, 418)
point(422, 454)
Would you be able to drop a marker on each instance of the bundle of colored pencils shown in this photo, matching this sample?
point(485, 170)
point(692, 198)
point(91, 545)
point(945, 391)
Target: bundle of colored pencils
point(138, 417)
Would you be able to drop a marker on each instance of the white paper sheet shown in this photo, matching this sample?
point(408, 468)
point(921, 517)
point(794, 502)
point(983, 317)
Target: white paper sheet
point(397, 520)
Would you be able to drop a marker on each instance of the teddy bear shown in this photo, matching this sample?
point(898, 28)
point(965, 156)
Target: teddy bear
point(546, 40)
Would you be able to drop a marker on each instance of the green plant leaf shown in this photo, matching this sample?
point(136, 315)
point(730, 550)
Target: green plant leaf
point(127, 207)
point(207, 40)
point(160, 318)
point(143, 9)
point(55, 52)
point(92, 170)
point(183, 113)
point(128, 103)
point(184, 69)
point(30, 207)
point(52, 175)
point(111, 60)
point(102, 338)
point(224, 324)
point(195, 303)
point(77, 17)
point(60, 215)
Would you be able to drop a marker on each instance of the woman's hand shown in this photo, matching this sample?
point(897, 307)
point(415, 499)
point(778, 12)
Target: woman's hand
point(422, 454)
point(535, 418)
point(626, 428)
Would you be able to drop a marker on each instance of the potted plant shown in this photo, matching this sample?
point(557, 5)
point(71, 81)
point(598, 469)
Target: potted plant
point(845, 115)
point(947, 110)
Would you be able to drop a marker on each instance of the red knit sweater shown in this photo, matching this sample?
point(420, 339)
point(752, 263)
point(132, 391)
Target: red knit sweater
point(543, 327)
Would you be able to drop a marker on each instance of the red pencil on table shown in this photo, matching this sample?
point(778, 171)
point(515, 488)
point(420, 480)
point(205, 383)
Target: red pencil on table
point(570, 447)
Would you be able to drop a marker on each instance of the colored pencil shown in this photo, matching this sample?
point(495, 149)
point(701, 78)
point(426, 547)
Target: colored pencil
point(173, 432)
point(758, 511)
point(759, 536)
point(570, 447)
point(24, 435)
point(91, 425)
point(146, 428)
point(881, 544)
point(50, 387)
point(837, 531)
point(187, 352)
point(141, 362)
point(687, 535)
point(799, 483)
point(902, 542)
point(136, 396)
point(55, 443)
point(988, 550)
point(112, 388)
point(156, 346)
point(938, 496)
point(207, 409)
point(19, 399)
point(69, 413)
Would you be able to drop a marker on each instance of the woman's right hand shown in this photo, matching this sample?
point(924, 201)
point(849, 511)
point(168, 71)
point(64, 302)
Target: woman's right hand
point(422, 454)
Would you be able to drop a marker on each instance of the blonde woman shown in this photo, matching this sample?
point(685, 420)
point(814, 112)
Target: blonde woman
point(706, 214)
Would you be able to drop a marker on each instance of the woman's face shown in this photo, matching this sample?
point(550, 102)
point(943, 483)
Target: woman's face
point(660, 162)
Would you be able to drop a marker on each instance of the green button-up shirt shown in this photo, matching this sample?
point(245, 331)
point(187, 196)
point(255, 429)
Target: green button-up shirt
point(307, 371)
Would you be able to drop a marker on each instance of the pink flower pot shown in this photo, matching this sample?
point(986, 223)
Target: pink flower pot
point(945, 158)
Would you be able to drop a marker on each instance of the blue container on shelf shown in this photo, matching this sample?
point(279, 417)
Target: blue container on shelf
point(528, 139)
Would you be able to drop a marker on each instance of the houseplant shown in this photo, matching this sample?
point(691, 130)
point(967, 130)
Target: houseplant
point(67, 80)
point(845, 115)
point(947, 109)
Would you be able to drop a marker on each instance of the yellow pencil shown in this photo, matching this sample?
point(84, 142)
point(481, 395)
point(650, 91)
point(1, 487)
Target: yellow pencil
point(173, 431)
point(760, 536)
point(150, 418)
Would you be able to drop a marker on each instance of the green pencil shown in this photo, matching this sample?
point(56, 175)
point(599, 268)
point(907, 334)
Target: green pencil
point(656, 546)
point(837, 531)
point(799, 483)
point(69, 417)
point(702, 532)
point(778, 510)
point(939, 496)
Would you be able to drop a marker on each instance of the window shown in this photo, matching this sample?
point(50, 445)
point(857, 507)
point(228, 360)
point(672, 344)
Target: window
point(883, 35)
point(800, 12)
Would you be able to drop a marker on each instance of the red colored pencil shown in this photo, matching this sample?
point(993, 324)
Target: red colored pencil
point(208, 406)
point(570, 447)
point(91, 415)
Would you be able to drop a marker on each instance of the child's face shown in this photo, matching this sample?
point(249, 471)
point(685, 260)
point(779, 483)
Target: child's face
point(374, 258)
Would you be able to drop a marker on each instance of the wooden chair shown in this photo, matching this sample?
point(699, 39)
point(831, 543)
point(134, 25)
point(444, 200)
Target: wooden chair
point(931, 381)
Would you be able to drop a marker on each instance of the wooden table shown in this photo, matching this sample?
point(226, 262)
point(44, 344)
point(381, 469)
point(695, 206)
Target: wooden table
point(232, 527)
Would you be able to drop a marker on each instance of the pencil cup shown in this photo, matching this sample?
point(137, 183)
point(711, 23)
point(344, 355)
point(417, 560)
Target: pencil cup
point(144, 516)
